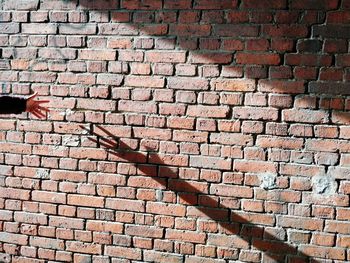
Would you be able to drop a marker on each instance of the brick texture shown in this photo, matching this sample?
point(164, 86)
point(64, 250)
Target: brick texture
point(180, 131)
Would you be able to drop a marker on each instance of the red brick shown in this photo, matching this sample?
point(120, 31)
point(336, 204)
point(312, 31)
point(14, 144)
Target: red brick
point(49, 197)
point(104, 226)
point(190, 29)
point(305, 116)
point(97, 55)
point(280, 86)
point(255, 166)
point(74, 176)
point(232, 30)
point(343, 241)
point(13, 193)
point(311, 4)
point(208, 111)
point(324, 252)
point(285, 30)
point(155, 256)
point(101, 105)
point(144, 81)
point(234, 85)
point(164, 209)
point(216, 4)
point(146, 182)
point(63, 222)
point(280, 4)
point(300, 223)
point(123, 252)
point(106, 179)
point(210, 162)
point(185, 236)
point(46, 243)
point(14, 238)
point(144, 231)
point(190, 136)
point(210, 58)
point(279, 142)
point(228, 190)
point(90, 153)
point(231, 139)
point(252, 113)
point(186, 83)
point(123, 204)
point(301, 169)
point(83, 200)
point(165, 56)
point(308, 60)
point(258, 58)
point(84, 247)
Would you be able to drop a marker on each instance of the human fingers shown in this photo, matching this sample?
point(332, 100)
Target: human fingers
point(38, 112)
point(43, 108)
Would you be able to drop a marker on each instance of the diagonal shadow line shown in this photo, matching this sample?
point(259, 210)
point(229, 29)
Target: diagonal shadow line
point(233, 224)
point(338, 88)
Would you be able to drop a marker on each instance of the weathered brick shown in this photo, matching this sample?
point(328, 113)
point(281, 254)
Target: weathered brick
point(234, 85)
point(252, 113)
point(36, 28)
point(97, 54)
point(187, 236)
point(9, 28)
point(144, 81)
point(128, 205)
point(185, 83)
point(49, 197)
point(165, 209)
point(208, 111)
point(14, 238)
point(77, 29)
point(305, 116)
point(157, 256)
point(21, 5)
point(231, 139)
point(64, 222)
point(124, 252)
point(46, 243)
point(210, 162)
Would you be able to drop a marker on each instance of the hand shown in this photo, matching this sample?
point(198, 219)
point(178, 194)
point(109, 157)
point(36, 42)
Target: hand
point(33, 106)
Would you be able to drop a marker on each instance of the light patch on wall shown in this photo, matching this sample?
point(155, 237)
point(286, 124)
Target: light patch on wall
point(159, 195)
point(324, 184)
point(70, 140)
point(5, 170)
point(268, 181)
point(42, 173)
point(3, 88)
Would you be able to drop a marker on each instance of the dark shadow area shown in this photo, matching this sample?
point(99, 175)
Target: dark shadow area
point(286, 49)
point(249, 235)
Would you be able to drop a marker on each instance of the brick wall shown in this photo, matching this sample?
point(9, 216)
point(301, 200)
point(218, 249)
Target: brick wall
point(180, 131)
